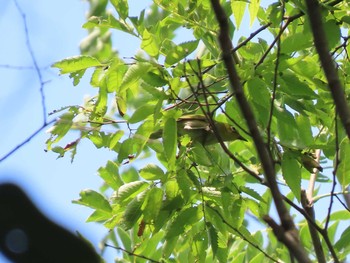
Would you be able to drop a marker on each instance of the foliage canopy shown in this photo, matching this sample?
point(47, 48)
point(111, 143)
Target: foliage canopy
point(174, 199)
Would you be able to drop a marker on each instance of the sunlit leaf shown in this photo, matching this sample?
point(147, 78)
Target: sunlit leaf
point(94, 200)
point(77, 63)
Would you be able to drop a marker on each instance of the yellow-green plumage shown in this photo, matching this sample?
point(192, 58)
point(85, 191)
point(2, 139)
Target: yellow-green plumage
point(199, 130)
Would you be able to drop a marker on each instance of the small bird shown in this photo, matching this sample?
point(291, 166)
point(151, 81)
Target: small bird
point(199, 130)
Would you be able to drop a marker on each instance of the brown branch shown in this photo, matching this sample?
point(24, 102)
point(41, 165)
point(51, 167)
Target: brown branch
point(289, 232)
point(309, 209)
point(321, 44)
point(288, 239)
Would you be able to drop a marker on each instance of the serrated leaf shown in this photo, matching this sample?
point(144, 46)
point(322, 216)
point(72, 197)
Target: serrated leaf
point(170, 140)
point(252, 193)
point(129, 190)
point(77, 63)
point(180, 51)
point(60, 128)
point(110, 174)
point(133, 74)
point(94, 200)
point(253, 8)
point(238, 9)
point(152, 172)
point(343, 172)
point(294, 87)
point(150, 43)
point(186, 217)
point(133, 211)
point(152, 204)
point(122, 7)
point(100, 108)
point(291, 173)
point(213, 235)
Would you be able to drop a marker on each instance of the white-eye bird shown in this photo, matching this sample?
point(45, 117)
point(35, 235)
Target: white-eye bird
point(199, 130)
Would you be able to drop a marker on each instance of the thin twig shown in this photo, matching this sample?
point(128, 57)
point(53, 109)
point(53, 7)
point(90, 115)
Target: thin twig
point(26, 140)
point(334, 173)
point(35, 64)
point(241, 235)
point(221, 142)
point(132, 253)
point(275, 76)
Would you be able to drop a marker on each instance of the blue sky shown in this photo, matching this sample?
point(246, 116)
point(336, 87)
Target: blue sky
point(55, 32)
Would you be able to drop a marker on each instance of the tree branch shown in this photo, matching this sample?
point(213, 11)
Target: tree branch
point(287, 229)
point(321, 44)
point(309, 209)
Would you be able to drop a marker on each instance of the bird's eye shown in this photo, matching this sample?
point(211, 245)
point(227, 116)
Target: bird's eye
point(232, 129)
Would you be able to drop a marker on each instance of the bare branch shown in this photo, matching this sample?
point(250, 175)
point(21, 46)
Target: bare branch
point(26, 141)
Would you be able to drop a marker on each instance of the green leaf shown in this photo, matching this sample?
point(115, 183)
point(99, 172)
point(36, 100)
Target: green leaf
point(152, 204)
point(238, 8)
point(141, 113)
point(150, 43)
point(304, 129)
point(295, 42)
point(94, 200)
point(252, 193)
point(333, 33)
point(186, 217)
point(122, 7)
point(77, 63)
point(291, 173)
point(343, 172)
point(253, 8)
point(98, 216)
point(125, 238)
point(180, 51)
point(170, 140)
point(343, 241)
point(110, 174)
point(296, 88)
point(129, 190)
point(76, 76)
point(60, 128)
point(152, 172)
point(133, 211)
point(133, 74)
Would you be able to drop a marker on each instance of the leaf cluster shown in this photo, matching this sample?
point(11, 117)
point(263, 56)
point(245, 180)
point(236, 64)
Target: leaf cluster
point(173, 199)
